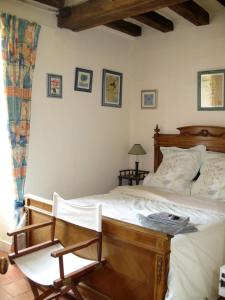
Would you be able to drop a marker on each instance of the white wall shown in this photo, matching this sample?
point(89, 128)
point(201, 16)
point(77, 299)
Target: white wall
point(169, 62)
point(76, 145)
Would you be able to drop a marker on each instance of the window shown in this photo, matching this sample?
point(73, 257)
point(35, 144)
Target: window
point(7, 195)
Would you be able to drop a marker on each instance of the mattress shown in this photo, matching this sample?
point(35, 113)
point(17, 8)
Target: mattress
point(195, 257)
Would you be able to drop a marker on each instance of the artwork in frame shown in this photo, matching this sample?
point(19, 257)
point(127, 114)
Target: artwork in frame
point(211, 87)
point(149, 99)
point(112, 88)
point(54, 85)
point(83, 80)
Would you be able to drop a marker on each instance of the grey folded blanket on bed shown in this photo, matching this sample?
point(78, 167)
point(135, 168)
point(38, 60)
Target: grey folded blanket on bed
point(167, 223)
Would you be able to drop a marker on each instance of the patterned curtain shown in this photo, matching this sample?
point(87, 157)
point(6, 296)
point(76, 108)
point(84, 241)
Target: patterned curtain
point(19, 39)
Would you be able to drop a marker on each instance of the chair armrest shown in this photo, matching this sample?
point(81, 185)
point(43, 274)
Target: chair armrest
point(29, 228)
point(74, 247)
point(31, 249)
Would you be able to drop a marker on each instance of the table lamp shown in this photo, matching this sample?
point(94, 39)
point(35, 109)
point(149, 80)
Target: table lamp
point(137, 149)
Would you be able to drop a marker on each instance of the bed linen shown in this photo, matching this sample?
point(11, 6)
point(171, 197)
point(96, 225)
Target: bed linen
point(195, 257)
point(211, 182)
point(177, 169)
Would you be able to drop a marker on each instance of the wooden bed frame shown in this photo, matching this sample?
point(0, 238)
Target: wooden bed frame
point(137, 258)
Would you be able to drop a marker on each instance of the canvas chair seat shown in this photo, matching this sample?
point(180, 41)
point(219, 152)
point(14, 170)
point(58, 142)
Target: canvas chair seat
point(51, 269)
point(43, 269)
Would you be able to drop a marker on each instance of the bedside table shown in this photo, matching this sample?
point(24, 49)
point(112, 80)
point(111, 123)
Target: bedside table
point(130, 175)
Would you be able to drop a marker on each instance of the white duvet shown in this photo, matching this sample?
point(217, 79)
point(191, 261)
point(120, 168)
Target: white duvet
point(195, 257)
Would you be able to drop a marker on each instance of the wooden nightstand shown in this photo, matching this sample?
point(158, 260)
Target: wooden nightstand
point(131, 175)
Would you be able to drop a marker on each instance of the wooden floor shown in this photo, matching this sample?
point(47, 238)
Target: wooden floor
point(13, 285)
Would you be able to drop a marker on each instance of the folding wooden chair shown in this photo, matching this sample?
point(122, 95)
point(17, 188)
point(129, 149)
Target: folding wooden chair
point(48, 275)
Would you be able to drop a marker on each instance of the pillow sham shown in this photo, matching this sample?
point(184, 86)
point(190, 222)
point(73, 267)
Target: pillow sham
point(211, 182)
point(200, 148)
point(177, 169)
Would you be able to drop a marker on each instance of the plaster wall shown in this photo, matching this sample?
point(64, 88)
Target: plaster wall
point(169, 62)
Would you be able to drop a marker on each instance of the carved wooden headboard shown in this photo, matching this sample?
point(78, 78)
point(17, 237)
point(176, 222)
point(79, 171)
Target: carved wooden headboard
point(213, 137)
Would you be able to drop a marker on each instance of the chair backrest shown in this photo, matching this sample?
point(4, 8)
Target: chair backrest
point(84, 216)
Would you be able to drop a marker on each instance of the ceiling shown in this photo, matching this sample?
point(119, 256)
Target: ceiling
point(79, 15)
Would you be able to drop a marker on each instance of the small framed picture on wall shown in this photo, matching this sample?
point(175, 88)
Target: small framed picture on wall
point(149, 98)
point(54, 83)
point(111, 88)
point(83, 80)
point(211, 90)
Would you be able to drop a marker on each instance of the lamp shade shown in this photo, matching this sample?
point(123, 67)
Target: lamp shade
point(137, 149)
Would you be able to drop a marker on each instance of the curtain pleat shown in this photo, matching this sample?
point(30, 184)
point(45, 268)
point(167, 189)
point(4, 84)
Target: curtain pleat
point(19, 40)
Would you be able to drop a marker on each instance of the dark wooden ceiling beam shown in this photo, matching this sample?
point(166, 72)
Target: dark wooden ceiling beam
point(192, 12)
point(100, 12)
point(125, 27)
point(54, 3)
point(221, 2)
point(155, 20)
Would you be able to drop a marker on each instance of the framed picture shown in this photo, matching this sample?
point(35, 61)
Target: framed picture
point(211, 86)
point(111, 88)
point(83, 80)
point(54, 85)
point(149, 99)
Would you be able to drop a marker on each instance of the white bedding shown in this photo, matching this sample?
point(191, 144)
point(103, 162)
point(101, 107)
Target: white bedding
point(195, 257)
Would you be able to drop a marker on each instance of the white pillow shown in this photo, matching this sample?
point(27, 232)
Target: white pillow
point(211, 182)
point(147, 179)
point(200, 148)
point(177, 169)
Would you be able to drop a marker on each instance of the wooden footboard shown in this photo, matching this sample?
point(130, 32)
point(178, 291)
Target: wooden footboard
point(137, 258)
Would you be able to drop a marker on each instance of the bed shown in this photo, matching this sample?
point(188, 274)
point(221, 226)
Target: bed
point(142, 263)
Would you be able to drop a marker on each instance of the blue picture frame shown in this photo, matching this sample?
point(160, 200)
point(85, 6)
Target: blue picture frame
point(149, 98)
